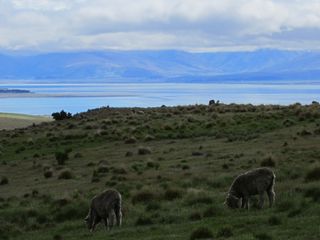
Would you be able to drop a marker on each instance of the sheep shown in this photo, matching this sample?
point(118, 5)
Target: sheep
point(253, 182)
point(105, 206)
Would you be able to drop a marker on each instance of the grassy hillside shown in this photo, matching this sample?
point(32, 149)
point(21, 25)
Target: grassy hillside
point(173, 167)
point(11, 120)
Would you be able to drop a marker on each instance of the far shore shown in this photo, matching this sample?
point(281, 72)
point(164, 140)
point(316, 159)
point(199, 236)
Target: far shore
point(58, 95)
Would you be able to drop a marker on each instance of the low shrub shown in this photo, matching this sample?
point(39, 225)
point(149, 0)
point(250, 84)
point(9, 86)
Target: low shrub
point(61, 157)
point(274, 220)
point(65, 174)
point(172, 194)
point(153, 206)
point(143, 197)
point(48, 173)
point(268, 162)
point(285, 205)
point(201, 233)
point(78, 155)
point(130, 140)
point(225, 232)
point(152, 164)
point(144, 150)
point(195, 216)
point(263, 236)
point(102, 168)
point(119, 171)
point(4, 180)
point(129, 154)
point(57, 237)
point(149, 138)
point(313, 174)
point(212, 211)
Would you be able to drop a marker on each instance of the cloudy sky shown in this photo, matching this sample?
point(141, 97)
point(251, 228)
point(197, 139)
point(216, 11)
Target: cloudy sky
point(193, 25)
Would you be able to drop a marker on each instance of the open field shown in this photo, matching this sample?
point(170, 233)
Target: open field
point(173, 166)
point(11, 120)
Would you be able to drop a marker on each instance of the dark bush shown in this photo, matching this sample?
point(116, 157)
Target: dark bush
point(201, 233)
point(225, 166)
point(274, 220)
point(268, 162)
point(48, 173)
point(195, 216)
point(61, 157)
point(57, 237)
point(78, 155)
point(152, 164)
point(185, 167)
point(197, 153)
point(171, 194)
point(95, 177)
point(129, 154)
point(102, 168)
point(119, 171)
point(65, 174)
point(4, 180)
point(313, 174)
point(144, 150)
point(149, 138)
point(61, 115)
point(130, 140)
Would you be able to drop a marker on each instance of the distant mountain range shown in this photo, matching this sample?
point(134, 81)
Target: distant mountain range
point(167, 65)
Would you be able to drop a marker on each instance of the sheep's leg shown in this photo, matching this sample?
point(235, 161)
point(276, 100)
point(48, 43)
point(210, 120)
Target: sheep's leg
point(243, 203)
point(261, 200)
point(271, 196)
point(118, 213)
point(111, 219)
point(95, 221)
point(246, 202)
point(106, 223)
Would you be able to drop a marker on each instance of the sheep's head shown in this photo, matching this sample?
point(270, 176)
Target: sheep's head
point(232, 201)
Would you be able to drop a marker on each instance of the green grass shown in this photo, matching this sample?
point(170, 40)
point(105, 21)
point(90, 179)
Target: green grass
point(176, 188)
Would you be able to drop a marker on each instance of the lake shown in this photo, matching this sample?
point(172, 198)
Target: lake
point(48, 98)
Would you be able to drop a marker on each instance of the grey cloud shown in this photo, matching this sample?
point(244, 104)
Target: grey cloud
point(51, 25)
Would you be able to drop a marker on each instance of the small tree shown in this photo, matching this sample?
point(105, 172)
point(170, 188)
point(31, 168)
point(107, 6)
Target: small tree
point(61, 115)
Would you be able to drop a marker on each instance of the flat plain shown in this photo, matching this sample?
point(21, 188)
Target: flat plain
point(11, 120)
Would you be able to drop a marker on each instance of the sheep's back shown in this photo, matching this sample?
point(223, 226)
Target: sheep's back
point(253, 182)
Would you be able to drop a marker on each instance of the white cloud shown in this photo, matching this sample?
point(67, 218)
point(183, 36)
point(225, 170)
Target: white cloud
point(51, 25)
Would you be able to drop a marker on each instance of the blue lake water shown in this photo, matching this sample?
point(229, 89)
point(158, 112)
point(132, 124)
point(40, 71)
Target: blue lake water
point(48, 98)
